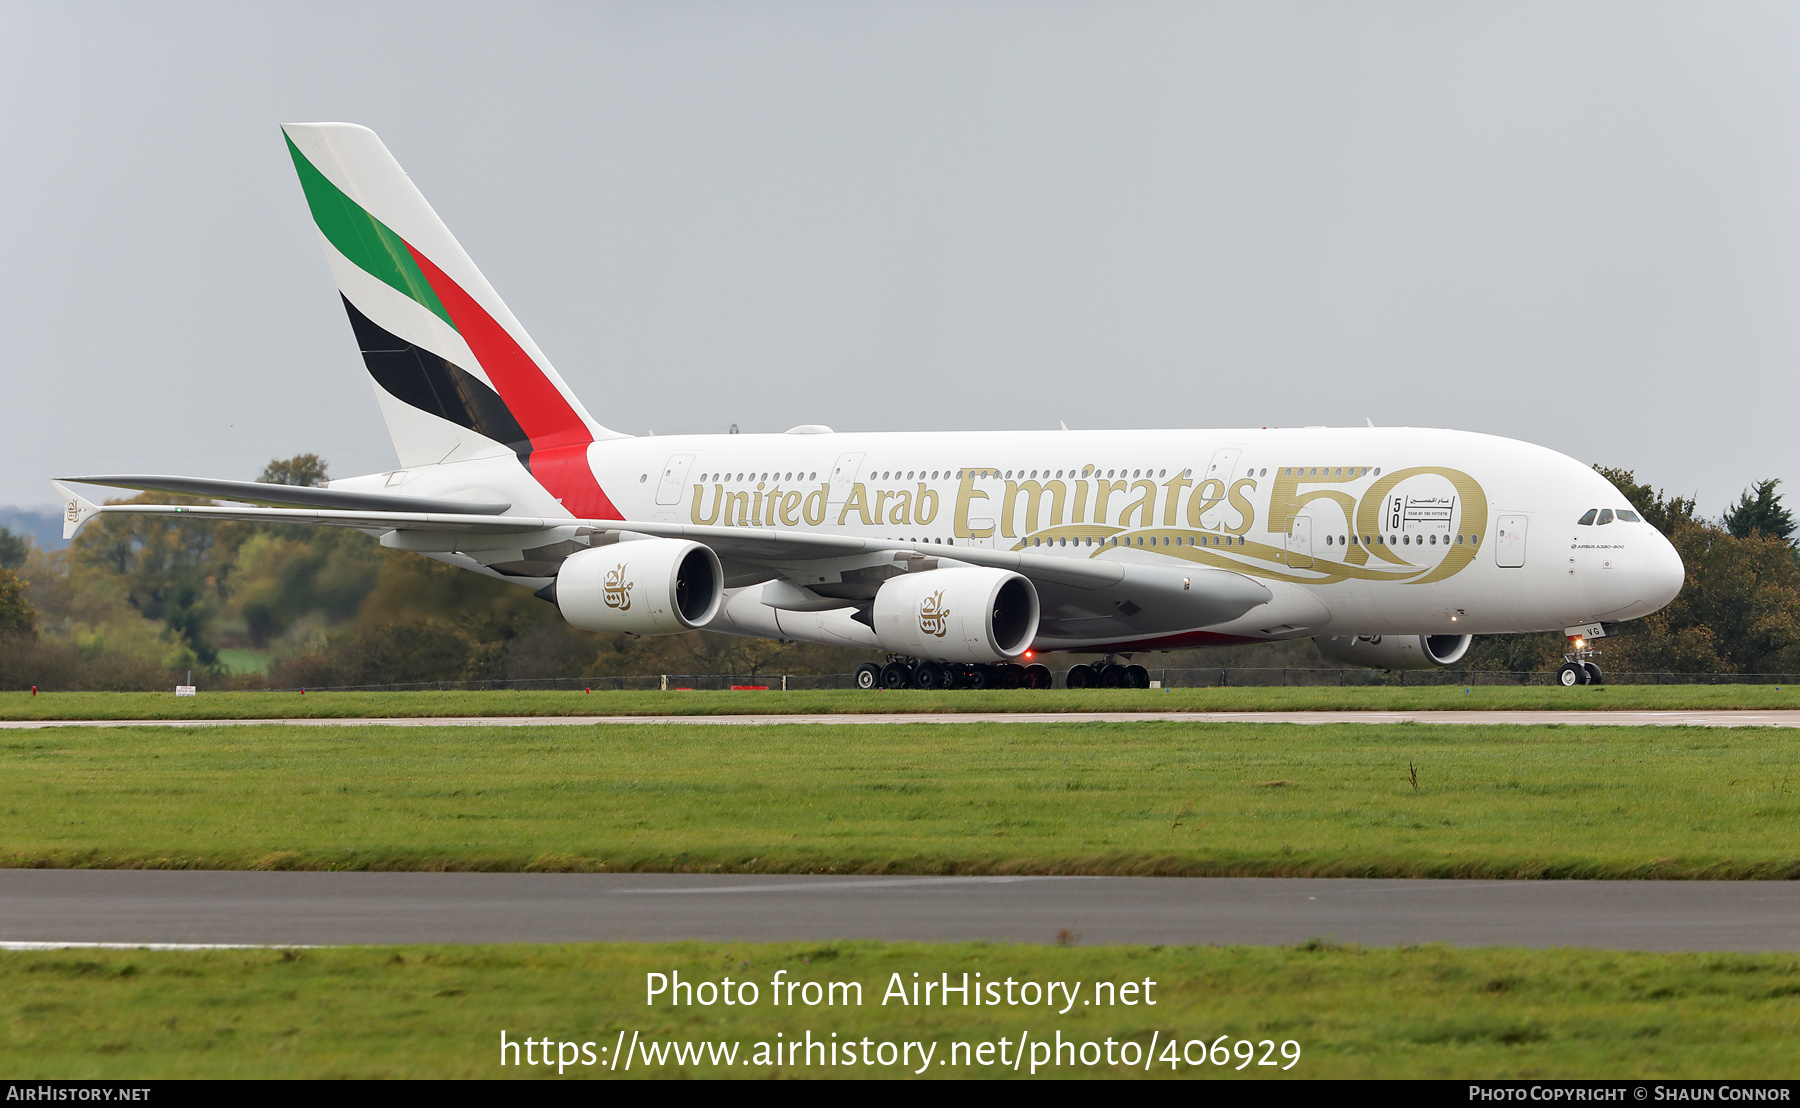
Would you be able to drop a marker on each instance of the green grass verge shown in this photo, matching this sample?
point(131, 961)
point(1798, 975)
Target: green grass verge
point(410, 1012)
point(509, 702)
point(1124, 798)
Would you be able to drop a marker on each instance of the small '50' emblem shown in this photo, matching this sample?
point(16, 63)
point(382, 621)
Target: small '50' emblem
point(615, 590)
point(934, 618)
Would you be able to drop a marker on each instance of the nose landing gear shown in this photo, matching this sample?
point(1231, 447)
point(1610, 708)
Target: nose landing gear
point(1579, 669)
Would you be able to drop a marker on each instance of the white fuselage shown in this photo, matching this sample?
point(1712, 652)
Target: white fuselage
point(1362, 531)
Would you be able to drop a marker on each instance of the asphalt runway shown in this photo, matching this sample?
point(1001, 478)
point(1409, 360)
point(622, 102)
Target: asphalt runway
point(1765, 718)
point(138, 907)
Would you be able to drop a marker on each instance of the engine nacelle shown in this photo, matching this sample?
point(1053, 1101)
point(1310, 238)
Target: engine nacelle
point(957, 615)
point(1395, 651)
point(647, 587)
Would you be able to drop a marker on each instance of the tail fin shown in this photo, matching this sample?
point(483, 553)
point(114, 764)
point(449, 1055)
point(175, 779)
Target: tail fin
point(456, 375)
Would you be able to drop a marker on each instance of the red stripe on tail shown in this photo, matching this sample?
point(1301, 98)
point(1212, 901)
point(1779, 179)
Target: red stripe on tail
point(559, 438)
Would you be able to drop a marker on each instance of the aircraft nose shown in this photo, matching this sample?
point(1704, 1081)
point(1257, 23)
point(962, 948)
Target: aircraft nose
point(1663, 574)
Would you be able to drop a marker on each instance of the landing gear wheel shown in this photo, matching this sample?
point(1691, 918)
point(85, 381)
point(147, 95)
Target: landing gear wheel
point(1038, 677)
point(1114, 677)
point(868, 676)
point(1009, 676)
point(896, 675)
point(1595, 677)
point(1139, 677)
point(1081, 677)
point(976, 677)
point(929, 676)
point(1572, 674)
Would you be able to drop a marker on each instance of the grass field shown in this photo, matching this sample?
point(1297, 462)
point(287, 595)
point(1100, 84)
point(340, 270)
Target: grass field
point(438, 1011)
point(1127, 798)
point(508, 702)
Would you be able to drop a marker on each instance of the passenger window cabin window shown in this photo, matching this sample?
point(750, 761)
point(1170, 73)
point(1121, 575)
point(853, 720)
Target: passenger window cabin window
point(1628, 517)
point(1588, 519)
point(1605, 517)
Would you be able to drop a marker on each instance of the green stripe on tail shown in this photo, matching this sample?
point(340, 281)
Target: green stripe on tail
point(362, 238)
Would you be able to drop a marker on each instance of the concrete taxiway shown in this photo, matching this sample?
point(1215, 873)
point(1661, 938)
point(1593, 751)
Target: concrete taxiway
point(136, 907)
point(1746, 718)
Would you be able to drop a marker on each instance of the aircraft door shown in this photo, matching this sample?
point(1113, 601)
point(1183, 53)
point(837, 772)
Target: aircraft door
point(1299, 542)
point(674, 479)
point(843, 475)
point(1224, 464)
point(1509, 541)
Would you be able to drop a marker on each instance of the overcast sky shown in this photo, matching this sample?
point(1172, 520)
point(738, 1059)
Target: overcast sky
point(1576, 224)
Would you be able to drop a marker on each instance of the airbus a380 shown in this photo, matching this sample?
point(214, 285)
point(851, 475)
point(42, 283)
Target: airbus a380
point(963, 556)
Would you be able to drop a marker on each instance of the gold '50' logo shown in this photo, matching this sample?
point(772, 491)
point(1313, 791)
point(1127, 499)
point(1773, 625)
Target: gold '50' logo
point(615, 590)
point(934, 618)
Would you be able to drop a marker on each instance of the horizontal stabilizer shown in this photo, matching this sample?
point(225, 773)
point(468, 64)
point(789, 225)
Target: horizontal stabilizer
point(297, 496)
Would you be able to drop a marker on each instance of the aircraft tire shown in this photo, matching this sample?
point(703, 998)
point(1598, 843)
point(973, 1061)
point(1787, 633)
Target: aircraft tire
point(1038, 677)
point(1571, 674)
point(1115, 677)
point(1595, 677)
point(896, 675)
point(1080, 677)
point(977, 677)
point(868, 676)
point(929, 676)
point(1140, 677)
point(1009, 676)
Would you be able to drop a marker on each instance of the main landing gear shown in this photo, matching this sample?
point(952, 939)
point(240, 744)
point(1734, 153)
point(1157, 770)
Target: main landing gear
point(901, 672)
point(1108, 674)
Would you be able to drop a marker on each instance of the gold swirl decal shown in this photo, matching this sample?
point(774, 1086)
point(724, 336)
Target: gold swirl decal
point(1222, 549)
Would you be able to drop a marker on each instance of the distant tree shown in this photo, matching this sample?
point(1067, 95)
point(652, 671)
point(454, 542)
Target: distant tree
point(14, 549)
point(16, 614)
point(1665, 513)
point(174, 571)
point(301, 469)
point(1760, 511)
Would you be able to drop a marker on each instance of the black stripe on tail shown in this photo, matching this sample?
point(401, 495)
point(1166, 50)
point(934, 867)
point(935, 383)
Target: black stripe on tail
point(431, 384)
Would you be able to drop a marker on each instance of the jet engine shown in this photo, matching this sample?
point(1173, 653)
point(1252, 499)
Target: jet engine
point(957, 615)
point(647, 587)
point(1395, 651)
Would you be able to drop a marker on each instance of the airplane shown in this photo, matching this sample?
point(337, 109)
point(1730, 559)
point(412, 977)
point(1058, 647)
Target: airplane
point(966, 557)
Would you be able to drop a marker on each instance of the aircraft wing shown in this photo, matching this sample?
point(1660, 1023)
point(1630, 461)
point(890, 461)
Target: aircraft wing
point(1086, 599)
point(767, 546)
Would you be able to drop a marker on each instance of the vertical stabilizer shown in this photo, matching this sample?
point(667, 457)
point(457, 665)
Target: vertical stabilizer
point(456, 375)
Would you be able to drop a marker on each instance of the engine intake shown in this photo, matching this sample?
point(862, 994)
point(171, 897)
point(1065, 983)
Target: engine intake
point(1395, 651)
point(647, 587)
point(957, 615)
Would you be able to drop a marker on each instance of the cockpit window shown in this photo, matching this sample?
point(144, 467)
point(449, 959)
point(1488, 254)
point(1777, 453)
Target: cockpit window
point(1588, 520)
point(1605, 517)
point(1629, 517)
